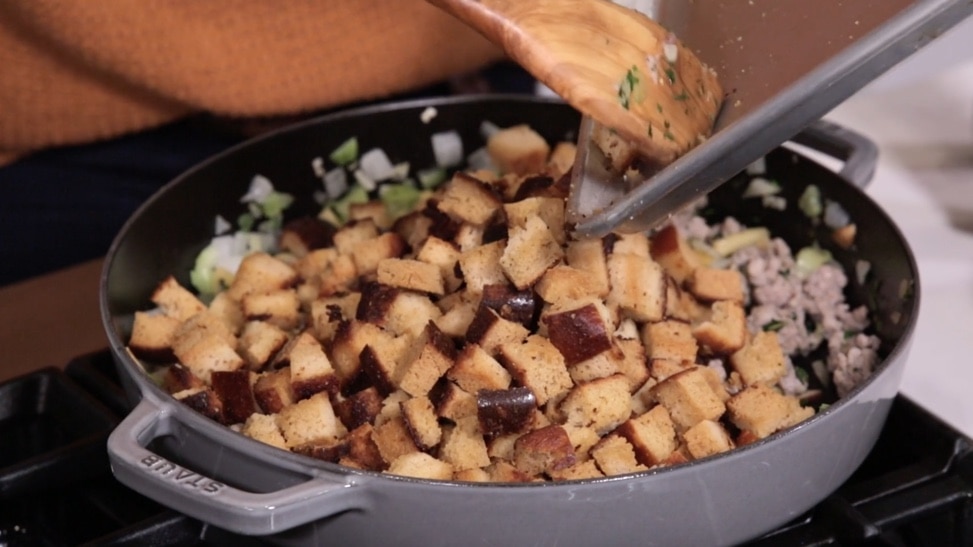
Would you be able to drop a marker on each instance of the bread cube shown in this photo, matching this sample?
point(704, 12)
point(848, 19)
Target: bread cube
point(310, 420)
point(587, 469)
point(421, 422)
point(363, 453)
point(392, 439)
point(367, 254)
point(444, 255)
point(561, 159)
point(380, 362)
point(726, 329)
point(588, 255)
point(235, 393)
point(674, 254)
point(374, 210)
point(152, 335)
point(706, 439)
point(652, 436)
point(689, 398)
point(709, 284)
point(638, 287)
point(636, 244)
point(202, 400)
point(562, 283)
point(579, 333)
point(529, 252)
point(505, 411)
point(671, 340)
point(263, 427)
point(178, 378)
point(544, 450)
point(327, 313)
point(619, 152)
point(548, 209)
point(615, 456)
point(467, 199)
point(359, 408)
point(259, 342)
point(411, 274)
point(490, 331)
point(280, 307)
point(463, 445)
point(762, 410)
point(600, 404)
point(474, 369)
point(260, 272)
point(354, 233)
point(682, 305)
point(518, 149)
point(303, 235)
point(452, 402)
point(481, 266)
point(349, 341)
point(536, 364)
point(422, 466)
point(338, 277)
point(632, 362)
point(314, 262)
point(425, 361)
point(175, 300)
point(761, 360)
point(512, 304)
point(660, 368)
point(272, 390)
point(311, 370)
point(601, 365)
point(208, 353)
point(398, 311)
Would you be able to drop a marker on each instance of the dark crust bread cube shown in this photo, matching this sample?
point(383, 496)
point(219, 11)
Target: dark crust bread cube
point(305, 234)
point(544, 450)
point(451, 401)
point(376, 301)
point(175, 300)
point(579, 334)
point(273, 392)
point(520, 306)
point(503, 411)
point(421, 421)
point(202, 400)
point(673, 253)
point(179, 378)
point(152, 335)
point(489, 330)
point(329, 450)
point(233, 389)
point(428, 358)
point(359, 408)
point(363, 453)
point(538, 365)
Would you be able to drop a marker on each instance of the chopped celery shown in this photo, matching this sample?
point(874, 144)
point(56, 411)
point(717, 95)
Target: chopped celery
point(275, 203)
point(810, 202)
point(809, 259)
point(246, 221)
point(341, 207)
point(346, 152)
point(432, 177)
point(399, 199)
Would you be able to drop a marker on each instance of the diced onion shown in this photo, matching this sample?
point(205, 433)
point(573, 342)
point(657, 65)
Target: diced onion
point(317, 165)
point(260, 188)
point(400, 171)
point(364, 180)
point(375, 165)
point(447, 147)
point(481, 159)
point(862, 267)
point(221, 225)
point(835, 216)
point(758, 167)
point(335, 183)
point(760, 187)
point(428, 114)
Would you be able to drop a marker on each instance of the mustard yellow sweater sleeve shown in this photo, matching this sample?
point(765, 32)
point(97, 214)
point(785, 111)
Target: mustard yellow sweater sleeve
point(75, 71)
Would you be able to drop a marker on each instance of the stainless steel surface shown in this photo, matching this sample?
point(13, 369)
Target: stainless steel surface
point(784, 63)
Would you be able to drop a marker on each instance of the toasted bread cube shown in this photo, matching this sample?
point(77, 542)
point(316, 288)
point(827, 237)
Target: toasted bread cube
point(452, 402)
point(422, 466)
point(670, 249)
point(580, 333)
point(652, 436)
point(207, 354)
point(228, 310)
point(359, 408)
point(518, 149)
point(327, 313)
point(638, 287)
point(502, 471)
point(588, 255)
point(363, 453)
point(636, 244)
point(544, 450)
point(315, 262)
point(481, 266)
point(311, 370)
point(726, 329)
point(457, 319)
point(467, 199)
point(562, 283)
point(329, 450)
point(310, 420)
point(512, 304)
point(203, 400)
point(380, 362)
point(615, 456)
point(632, 362)
point(587, 469)
point(530, 252)
point(463, 445)
point(671, 340)
point(200, 326)
point(258, 273)
point(762, 410)
point(682, 305)
point(561, 159)
point(469, 236)
point(175, 300)
point(761, 360)
point(536, 364)
point(259, 342)
point(152, 335)
point(421, 421)
point(414, 228)
point(689, 397)
point(303, 235)
point(235, 392)
point(548, 209)
point(178, 378)
point(582, 439)
point(444, 255)
point(272, 390)
point(263, 427)
point(490, 331)
point(367, 254)
point(338, 277)
point(411, 274)
point(349, 341)
point(600, 404)
point(279, 307)
point(602, 365)
point(472, 475)
point(505, 411)
point(661, 368)
point(706, 439)
point(354, 233)
point(474, 369)
point(426, 360)
point(711, 284)
point(393, 439)
point(374, 210)
point(619, 152)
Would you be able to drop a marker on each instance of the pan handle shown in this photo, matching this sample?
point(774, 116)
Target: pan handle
point(304, 496)
point(859, 154)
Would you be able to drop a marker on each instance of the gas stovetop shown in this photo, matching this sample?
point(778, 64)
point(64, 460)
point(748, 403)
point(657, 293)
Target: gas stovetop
point(56, 487)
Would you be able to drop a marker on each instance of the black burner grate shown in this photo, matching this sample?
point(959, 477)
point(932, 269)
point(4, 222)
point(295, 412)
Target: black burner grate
point(56, 488)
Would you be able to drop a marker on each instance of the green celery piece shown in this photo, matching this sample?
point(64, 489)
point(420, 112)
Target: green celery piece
point(346, 152)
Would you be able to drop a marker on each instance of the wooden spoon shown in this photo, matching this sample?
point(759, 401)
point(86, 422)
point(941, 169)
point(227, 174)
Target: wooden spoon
point(609, 62)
